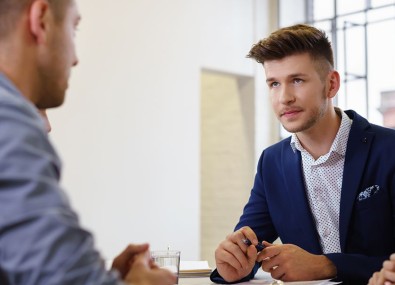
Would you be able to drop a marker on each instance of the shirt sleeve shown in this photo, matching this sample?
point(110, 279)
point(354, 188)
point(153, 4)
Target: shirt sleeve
point(41, 241)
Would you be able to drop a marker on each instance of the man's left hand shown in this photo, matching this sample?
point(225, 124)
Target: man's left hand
point(288, 262)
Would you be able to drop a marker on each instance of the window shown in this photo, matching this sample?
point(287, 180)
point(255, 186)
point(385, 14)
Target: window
point(362, 34)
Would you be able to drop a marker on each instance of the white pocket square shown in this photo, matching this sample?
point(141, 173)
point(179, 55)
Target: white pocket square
point(368, 192)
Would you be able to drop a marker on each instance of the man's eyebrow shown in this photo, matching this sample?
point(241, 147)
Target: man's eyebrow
point(293, 75)
point(300, 74)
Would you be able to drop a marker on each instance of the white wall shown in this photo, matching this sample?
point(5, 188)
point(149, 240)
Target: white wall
point(266, 125)
point(129, 131)
point(292, 12)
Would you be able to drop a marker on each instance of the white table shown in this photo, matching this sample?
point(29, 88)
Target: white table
point(262, 278)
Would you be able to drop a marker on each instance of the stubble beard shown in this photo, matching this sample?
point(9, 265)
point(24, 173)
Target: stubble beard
point(316, 115)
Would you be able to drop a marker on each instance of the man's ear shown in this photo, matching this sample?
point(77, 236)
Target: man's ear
point(333, 83)
point(39, 16)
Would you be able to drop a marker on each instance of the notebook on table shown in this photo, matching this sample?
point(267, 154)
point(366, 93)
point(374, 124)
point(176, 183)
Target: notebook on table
point(194, 269)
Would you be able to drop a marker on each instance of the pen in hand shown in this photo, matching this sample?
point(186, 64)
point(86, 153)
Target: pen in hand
point(259, 247)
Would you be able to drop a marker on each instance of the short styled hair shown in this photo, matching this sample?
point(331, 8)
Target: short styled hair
point(294, 40)
point(12, 10)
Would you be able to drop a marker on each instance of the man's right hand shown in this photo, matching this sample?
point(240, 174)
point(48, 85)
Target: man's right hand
point(234, 259)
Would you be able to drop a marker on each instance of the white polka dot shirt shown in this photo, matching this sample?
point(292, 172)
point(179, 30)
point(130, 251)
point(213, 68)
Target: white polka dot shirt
point(323, 182)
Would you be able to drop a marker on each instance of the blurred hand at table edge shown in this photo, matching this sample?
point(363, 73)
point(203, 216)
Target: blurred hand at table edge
point(386, 276)
point(136, 267)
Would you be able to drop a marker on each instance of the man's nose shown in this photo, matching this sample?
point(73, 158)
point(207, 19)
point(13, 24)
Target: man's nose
point(286, 94)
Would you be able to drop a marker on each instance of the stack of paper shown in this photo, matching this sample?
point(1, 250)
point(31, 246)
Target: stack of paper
point(194, 269)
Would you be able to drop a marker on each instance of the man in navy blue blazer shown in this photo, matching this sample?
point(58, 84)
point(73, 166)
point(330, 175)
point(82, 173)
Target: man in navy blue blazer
point(327, 191)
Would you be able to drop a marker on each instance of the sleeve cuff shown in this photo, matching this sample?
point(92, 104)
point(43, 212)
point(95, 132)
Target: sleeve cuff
point(216, 278)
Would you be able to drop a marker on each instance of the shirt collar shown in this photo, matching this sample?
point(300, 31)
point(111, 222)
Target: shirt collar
point(9, 86)
point(339, 144)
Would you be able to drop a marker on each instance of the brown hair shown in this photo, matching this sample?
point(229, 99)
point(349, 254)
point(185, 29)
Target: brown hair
point(12, 10)
point(293, 40)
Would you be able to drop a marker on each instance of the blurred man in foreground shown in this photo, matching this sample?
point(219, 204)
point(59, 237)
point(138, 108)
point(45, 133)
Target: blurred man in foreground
point(41, 241)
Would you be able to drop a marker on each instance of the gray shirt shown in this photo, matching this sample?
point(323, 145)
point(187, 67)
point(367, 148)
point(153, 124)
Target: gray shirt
point(41, 241)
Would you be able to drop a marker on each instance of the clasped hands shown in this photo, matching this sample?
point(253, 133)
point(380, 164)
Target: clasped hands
point(386, 275)
point(136, 267)
point(287, 262)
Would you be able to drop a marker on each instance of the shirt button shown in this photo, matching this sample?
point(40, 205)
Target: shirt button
point(327, 232)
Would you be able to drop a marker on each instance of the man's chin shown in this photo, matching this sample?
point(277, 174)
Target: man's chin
point(292, 129)
point(52, 103)
point(58, 103)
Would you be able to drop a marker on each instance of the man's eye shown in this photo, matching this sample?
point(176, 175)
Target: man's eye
point(298, 80)
point(274, 84)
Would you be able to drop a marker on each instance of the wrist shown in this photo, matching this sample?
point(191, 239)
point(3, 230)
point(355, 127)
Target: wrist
point(327, 269)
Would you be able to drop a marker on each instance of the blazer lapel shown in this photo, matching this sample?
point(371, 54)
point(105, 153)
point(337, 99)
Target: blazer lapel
point(359, 143)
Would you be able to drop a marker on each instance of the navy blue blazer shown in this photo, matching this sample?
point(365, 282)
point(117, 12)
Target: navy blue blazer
point(278, 205)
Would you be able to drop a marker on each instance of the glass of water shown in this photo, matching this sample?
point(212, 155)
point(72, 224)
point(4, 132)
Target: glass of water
point(168, 259)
